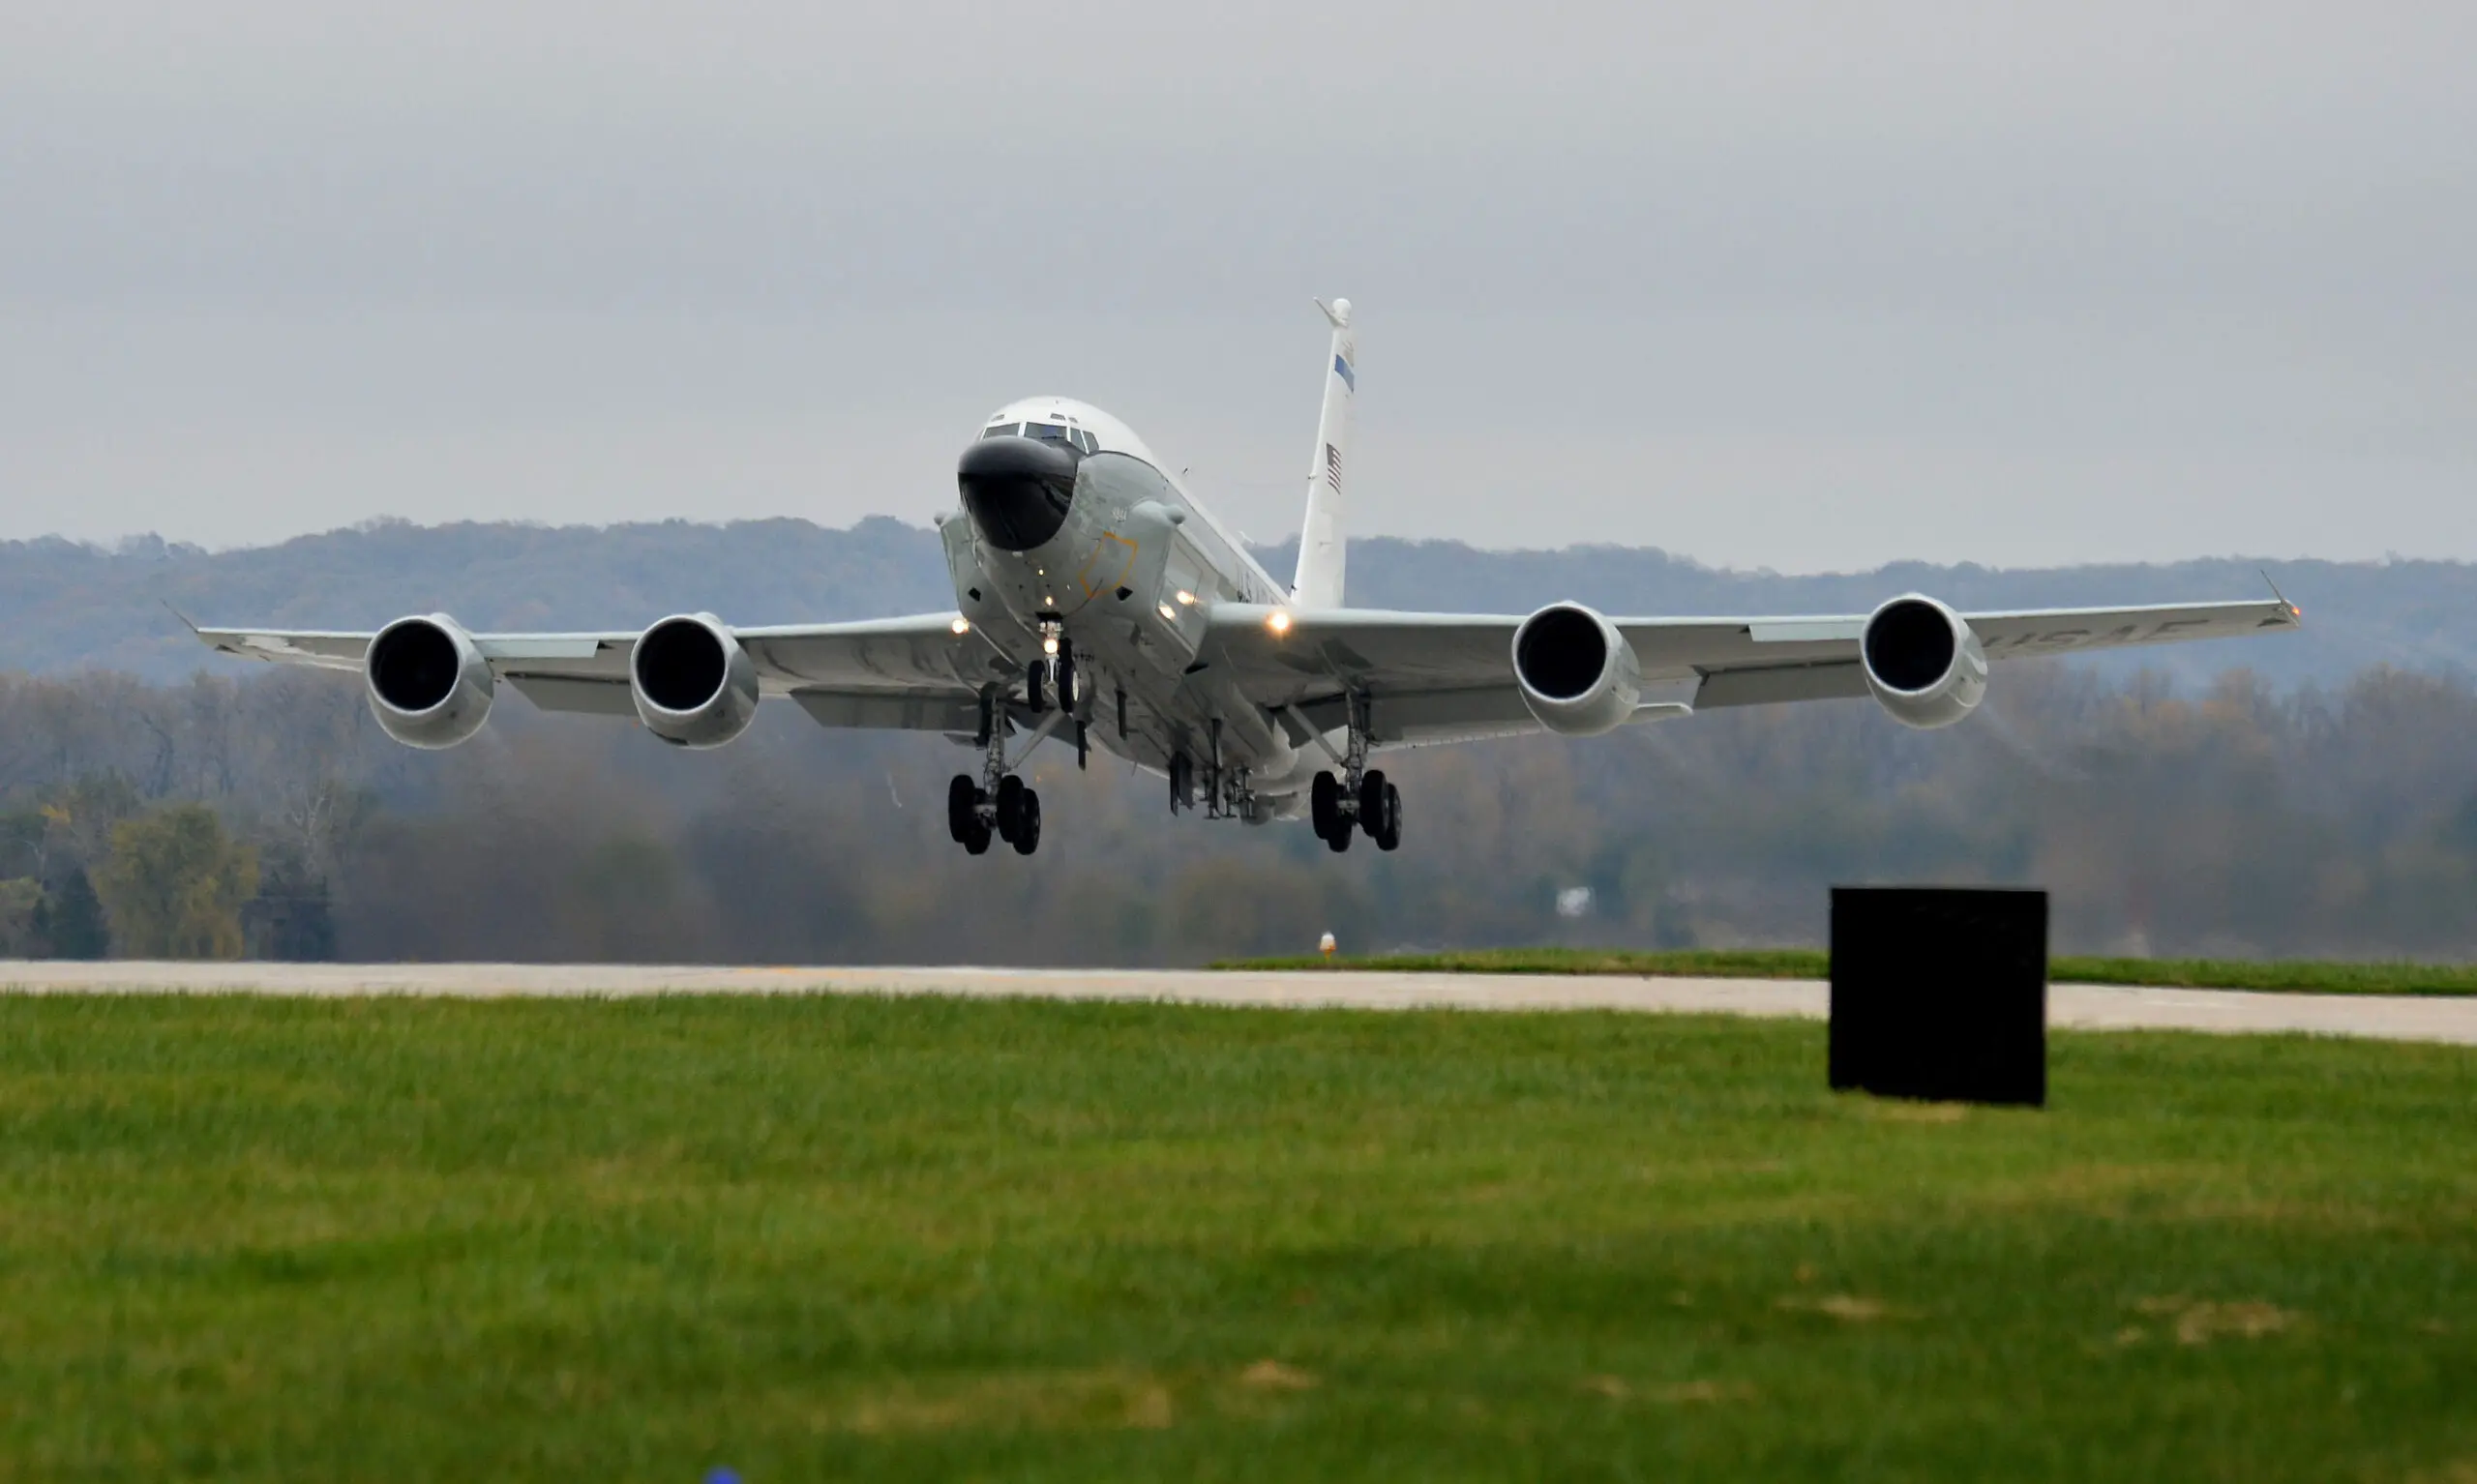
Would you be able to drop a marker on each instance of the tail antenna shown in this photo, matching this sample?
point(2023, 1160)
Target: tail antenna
point(1323, 546)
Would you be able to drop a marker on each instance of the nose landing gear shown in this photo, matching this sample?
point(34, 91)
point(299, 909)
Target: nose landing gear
point(1057, 669)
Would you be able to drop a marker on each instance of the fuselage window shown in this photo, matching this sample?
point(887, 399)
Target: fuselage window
point(1002, 429)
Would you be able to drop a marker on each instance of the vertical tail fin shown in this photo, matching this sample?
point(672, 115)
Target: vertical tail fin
point(1318, 582)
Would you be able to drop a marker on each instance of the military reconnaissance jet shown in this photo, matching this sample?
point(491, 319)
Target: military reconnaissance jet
point(1096, 601)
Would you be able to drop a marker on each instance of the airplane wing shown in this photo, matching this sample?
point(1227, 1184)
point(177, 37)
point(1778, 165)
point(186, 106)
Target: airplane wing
point(1438, 677)
point(912, 674)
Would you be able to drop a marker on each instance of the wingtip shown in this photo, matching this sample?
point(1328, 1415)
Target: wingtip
point(187, 622)
point(2295, 615)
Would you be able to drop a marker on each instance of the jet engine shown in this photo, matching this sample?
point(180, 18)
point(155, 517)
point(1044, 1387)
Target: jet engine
point(429, 686)
point(1922, 661)
point(1578, 673)
point(694, 685)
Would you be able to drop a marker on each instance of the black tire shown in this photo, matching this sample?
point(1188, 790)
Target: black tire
point(1183, 783)
point(1340, 840)
point(1391, 838)
point(1371, 801)
point(1324, 805)
point(1010, 806)
point(1032, 686)
point(977, 842)
point(1069, 686)
point(1027, 825)
point(963, 796)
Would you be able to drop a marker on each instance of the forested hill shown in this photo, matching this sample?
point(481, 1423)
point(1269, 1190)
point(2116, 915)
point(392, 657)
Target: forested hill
point(66, 606)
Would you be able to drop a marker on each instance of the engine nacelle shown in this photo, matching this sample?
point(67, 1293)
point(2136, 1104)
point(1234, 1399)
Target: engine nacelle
point(429, 686)
point(694, 685)
point(1578, 673)
point(1923, 661)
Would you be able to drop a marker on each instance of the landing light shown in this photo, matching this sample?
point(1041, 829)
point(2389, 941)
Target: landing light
point(1186, 599)
point(1169, 612)
point(1049, 646)
point(960, 625)
point(1278, 621)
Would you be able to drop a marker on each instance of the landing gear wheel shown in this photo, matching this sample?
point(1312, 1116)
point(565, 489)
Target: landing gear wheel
point(1340, 838)
point(1070, 692)
point(962, 807)
point(1028, 823)
point(1324, 805)
point(1032, 686)
point(1371, 802)
point(1183, 783)
point(976, 835)
point(1011, 795)
point(1390, 821)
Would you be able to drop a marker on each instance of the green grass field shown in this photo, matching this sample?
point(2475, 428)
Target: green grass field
point(835, 1238)
point(2304, 975)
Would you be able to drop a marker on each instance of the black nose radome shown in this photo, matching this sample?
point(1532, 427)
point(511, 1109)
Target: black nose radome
point(1017, 489)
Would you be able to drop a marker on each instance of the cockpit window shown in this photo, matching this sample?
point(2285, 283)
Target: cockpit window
point(1054, 432)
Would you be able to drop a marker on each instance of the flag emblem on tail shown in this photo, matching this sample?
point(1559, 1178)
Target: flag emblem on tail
point(1334, 466)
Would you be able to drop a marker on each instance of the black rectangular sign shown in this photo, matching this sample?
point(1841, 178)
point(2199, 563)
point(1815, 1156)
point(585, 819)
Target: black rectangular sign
point(1940, 992)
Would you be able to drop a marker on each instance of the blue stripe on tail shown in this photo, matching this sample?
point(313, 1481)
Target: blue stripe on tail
point(1342, 368)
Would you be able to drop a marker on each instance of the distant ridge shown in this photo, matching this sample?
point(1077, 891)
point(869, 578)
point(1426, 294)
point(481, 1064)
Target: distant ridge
point(65, 607)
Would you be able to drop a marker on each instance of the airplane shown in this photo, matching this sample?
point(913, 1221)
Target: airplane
point(1098, 601)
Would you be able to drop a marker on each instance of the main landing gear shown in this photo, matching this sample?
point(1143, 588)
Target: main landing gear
point(998, 804)
point(1374, 806)
point(1360, 798)
point(1011, 812)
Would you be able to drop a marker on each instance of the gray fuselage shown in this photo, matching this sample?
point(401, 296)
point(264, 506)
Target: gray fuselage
point(1086, 539)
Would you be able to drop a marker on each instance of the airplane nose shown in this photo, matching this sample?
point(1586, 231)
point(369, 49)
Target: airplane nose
point(1017, 489)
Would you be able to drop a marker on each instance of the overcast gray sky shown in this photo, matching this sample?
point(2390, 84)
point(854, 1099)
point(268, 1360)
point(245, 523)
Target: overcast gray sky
point(1800, 286)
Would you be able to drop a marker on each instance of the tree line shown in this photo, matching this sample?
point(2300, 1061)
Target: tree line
point(265, 816)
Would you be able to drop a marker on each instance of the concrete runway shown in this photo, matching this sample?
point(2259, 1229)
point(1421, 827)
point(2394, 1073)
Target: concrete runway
point(2078, 1006)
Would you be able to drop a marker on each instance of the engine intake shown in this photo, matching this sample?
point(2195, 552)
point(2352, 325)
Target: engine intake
point(429, 686)
point(1577, 673)
point(693, 683)
point(1923, 661)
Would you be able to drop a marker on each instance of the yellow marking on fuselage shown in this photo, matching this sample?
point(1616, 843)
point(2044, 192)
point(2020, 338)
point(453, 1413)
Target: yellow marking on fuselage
point(1082, 577)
